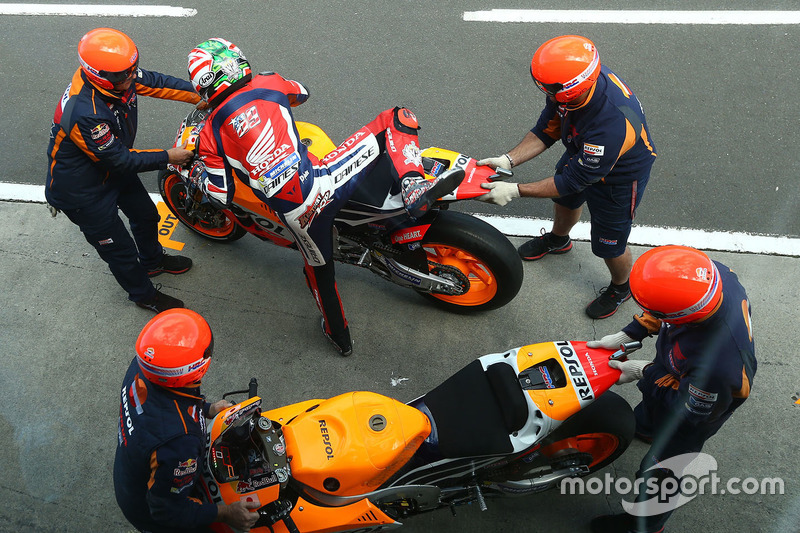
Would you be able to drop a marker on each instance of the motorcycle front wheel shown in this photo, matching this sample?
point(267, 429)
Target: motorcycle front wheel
point(206, 221)
point(475, 254)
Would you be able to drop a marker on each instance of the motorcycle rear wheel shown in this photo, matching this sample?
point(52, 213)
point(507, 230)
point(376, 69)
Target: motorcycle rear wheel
point(598, 434)
point(483, 255)
point(173, 192)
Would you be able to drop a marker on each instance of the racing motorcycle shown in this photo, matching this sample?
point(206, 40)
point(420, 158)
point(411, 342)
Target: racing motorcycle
point(452, 258)
point(507, 424)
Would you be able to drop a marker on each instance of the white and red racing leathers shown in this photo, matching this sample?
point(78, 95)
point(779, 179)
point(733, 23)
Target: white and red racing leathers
point(252, 135)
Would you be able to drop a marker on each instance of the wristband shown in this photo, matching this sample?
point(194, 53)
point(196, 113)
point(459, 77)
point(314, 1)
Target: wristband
point(510, 161)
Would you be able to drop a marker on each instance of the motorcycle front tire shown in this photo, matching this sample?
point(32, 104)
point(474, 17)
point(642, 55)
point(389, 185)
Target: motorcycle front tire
point(173, 192)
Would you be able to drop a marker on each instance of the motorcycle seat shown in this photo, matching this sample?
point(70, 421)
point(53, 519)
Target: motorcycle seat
point(475, 411)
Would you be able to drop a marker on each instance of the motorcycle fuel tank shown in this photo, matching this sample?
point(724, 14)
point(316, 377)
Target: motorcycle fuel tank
point(352, 443)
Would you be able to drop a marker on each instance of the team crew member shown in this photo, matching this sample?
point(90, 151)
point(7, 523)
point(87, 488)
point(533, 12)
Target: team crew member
point(161, 434)
point(703, 370)
point(606, 165)
point(92, 171)
point(251, 137)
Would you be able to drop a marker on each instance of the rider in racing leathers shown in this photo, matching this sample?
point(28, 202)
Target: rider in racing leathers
point(251, 135)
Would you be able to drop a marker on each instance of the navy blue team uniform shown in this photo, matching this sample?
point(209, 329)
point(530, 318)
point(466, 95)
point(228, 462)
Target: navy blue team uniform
point(607, 161)
point(160, 452)
point(702, 373)
point(92, 173)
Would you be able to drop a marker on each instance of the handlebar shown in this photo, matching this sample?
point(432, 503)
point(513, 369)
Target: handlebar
point(251, 391)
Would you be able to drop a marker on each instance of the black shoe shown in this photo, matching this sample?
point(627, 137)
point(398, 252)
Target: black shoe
point(420, 194)
point(171, 264)
point(607, 303)
point(342, 342)
point(548, 243)
point(613, 523)
point(160, 302)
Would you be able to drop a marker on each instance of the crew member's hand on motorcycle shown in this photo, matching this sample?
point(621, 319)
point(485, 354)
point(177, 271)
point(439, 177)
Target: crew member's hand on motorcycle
point(217, 407)
point(503, 161)
point(610, 342)
point(631, 370)
point(202, 105)
point(180, 156)
point(500, 192)
point(238, 514)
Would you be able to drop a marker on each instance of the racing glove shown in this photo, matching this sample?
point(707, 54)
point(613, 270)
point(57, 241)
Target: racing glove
point(503, 161)
point(631, 370)
point(500, 192)
point(611, 342)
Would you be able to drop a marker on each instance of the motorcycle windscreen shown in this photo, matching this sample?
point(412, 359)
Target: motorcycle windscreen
point(352, 443)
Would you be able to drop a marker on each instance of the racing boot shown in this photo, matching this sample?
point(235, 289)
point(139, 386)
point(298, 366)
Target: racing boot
point(341, 342)
point(420, 194)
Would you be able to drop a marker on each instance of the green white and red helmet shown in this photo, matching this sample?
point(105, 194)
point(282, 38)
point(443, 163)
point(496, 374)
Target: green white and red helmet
point(215, 66)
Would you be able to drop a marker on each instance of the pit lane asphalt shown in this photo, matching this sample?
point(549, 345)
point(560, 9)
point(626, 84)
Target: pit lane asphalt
point(68, 333)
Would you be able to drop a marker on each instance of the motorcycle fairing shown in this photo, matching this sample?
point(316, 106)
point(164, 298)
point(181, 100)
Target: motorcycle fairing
point(354, 442)
point(437, 160)
point(361, 515)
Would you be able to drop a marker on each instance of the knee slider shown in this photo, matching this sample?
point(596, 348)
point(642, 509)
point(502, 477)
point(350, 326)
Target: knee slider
point(405, 120)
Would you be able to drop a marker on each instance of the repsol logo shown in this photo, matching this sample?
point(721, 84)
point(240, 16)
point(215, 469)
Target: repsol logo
point(326, 439)
point(461, 162)
point(128, 423)
point(575, 371)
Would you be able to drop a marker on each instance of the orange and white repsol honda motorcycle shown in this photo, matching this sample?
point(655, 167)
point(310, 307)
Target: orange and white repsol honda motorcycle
point(455, 259)
point(507, 424)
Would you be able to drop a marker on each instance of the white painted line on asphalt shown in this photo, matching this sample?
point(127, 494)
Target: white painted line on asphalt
point(608, 16)
point(86, 10)
point(722, 241)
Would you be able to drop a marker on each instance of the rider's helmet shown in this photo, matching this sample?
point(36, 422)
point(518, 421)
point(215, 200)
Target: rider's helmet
point(107, 57)
point(677, 284)
point(174, 348)
point(217, 67)
point(566, 67)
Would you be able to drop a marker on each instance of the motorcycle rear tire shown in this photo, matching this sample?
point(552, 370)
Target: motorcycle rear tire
point(480, 252)
point(173, 191)
point(604, 430)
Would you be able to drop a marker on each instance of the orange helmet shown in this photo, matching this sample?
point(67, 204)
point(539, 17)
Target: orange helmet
point(566, 67)
point(107, 57)
point(677, 284)
point(174, 349)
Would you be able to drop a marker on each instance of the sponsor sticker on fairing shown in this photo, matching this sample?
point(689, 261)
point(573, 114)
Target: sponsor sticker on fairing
point(580, 382)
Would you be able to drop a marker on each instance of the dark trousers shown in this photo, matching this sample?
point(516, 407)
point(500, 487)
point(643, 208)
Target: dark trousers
point(128, 258)
point(672, 436)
